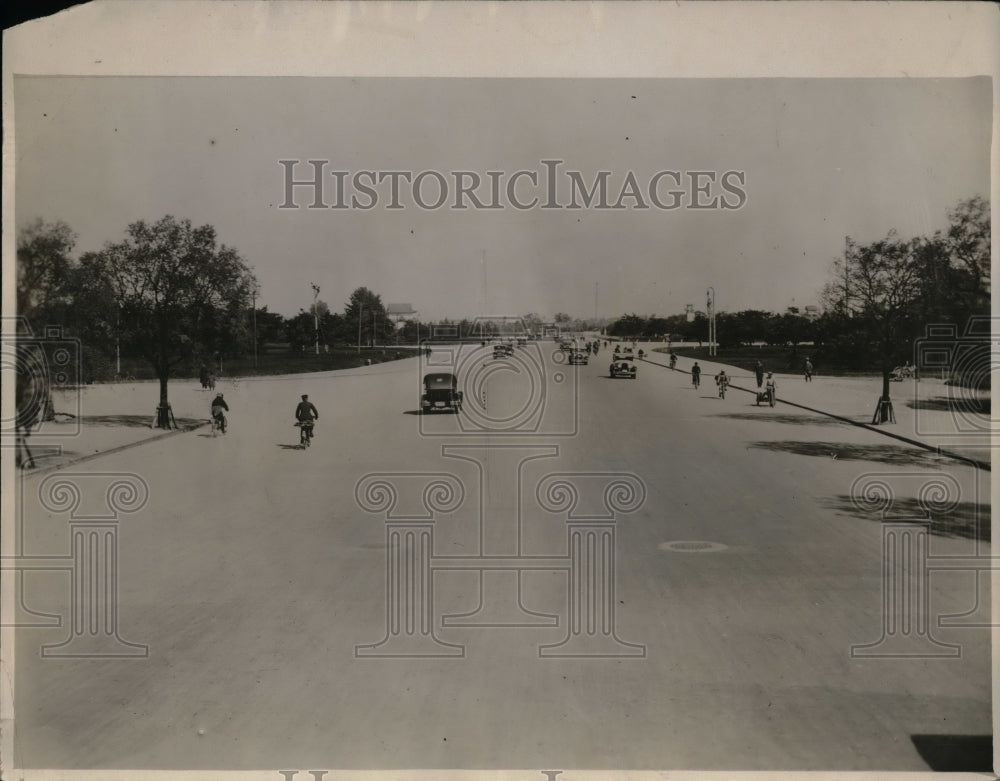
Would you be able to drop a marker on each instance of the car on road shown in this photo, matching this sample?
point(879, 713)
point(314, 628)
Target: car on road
point(626, 354)
point(623, 369)
point(441, 393)
point(578, 357)
point(502, 350)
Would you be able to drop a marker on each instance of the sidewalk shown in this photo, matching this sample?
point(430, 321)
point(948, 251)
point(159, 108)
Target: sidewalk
point(100, 419)
point(928, 412)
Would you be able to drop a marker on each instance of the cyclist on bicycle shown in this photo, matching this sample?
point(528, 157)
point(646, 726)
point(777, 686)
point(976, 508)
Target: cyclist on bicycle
point(696, 374)
point(218, 405)
point(306, 413)
point(673, 360)
point(722, 380)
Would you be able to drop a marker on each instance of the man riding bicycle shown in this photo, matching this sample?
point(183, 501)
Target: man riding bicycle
point(218, 405)
point(722, 380)
point(305, 414)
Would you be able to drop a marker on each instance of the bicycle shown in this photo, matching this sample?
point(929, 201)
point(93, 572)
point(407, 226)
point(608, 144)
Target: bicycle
point(722, 388)
point(695, 379)
point(305, 433)
point(218, 424)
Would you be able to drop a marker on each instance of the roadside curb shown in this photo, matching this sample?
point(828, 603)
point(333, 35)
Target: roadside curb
point(28, 473)
point(936, 449)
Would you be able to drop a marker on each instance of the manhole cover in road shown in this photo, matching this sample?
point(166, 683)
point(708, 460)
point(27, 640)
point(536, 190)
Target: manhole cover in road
point(692, 546)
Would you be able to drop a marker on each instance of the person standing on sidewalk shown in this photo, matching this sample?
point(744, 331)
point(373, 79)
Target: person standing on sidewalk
point(809, 370)
point(758, 370)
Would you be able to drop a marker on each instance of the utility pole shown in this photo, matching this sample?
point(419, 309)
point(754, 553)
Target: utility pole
point(361, 309)
point(316, 315)
point(253, 304)
point(847, 268)
point(711, 321)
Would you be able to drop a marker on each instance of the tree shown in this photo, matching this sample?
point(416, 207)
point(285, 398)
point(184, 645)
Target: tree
point(884, 284)
point(43, 265)
point(270, 326)
point(176, 292)
point(968, 241)
point(365, 317)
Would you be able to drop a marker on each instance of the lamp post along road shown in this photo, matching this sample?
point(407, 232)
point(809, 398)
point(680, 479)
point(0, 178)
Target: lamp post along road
point(316, 316)
point(711, 321)
point(361, 309)
point(253, 306)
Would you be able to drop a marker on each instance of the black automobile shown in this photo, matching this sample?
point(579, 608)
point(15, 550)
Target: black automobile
point(441, 393)
point(621, 368)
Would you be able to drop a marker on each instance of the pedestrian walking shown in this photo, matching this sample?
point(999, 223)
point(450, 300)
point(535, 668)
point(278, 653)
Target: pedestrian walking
point(809, 370)
point(758, 371)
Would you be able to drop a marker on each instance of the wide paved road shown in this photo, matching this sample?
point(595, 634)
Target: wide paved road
point(253, 573)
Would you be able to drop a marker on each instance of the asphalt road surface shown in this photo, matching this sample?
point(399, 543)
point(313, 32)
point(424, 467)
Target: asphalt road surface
point(257, 569)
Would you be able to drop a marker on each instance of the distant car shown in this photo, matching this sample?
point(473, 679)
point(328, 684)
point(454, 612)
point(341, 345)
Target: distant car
point(623, 369)
point(626, 354)
point(441, 393)
point(578, 356)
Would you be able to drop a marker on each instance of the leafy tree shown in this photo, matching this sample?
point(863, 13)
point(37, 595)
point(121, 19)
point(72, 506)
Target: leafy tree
point(175, 291)
point(968, 242)
point(43, 265)
point(884, 283)
point(270, 326)
point(365, 318)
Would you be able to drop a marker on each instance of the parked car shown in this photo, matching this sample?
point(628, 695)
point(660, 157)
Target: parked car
point(441, 393)
point(623, 369)
point(578, 357)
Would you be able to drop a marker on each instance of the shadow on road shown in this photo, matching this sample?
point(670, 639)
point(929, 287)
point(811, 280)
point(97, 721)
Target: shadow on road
point(895, 455)
point(975, 405)
point(956, 753)
point(133, 421)
point(779, 417)
point(967, 520)
point(291, 447)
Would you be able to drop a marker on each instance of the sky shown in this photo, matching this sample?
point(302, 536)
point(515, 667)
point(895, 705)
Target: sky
point(820, 159)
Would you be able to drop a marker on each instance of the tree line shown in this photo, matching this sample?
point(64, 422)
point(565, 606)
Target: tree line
point(167, 294)
point(880, 298)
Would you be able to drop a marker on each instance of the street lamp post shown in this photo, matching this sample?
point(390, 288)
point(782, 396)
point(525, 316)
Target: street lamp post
point(316, 315)
point(361, 309)
point(253, 305)
point(118, 348)
point(711, 321)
